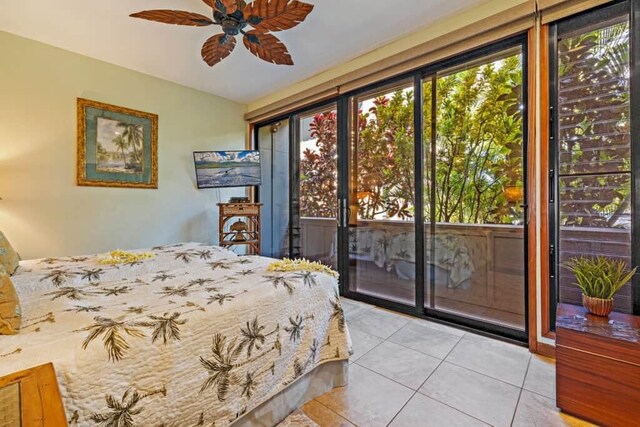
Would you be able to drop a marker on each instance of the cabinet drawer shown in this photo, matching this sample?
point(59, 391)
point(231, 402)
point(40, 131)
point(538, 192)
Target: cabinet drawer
point(240, 209)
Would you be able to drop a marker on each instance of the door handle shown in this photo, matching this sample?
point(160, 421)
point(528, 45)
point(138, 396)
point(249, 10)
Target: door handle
point(345, 213)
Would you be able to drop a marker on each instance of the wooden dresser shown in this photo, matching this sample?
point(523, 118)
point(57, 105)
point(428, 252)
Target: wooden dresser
point(598, 366)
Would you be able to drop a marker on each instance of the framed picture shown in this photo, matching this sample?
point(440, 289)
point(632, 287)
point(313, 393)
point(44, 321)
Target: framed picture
point(117, 146)
point(227, 168)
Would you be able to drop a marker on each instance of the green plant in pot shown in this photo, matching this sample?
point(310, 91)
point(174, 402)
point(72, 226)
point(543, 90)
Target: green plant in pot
point(599, 278)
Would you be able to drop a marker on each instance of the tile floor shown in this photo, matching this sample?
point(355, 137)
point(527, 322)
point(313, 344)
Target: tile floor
point(412, 372)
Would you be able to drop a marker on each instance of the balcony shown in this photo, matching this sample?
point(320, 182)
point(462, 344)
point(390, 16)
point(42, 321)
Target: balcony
point(490, 289)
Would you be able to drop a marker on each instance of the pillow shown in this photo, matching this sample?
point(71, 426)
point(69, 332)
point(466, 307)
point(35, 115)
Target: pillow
point(8, 256)
point(10, 314)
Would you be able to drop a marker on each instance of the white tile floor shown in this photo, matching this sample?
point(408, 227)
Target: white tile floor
point(412, 372)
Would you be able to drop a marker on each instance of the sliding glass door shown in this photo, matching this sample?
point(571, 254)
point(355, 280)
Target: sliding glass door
point(315, 185)
point(381, 194)
point(414, 189)
point(273, 141)
point(474, 152)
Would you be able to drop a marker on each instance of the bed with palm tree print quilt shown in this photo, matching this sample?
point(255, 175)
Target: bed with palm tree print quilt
point(196, 335)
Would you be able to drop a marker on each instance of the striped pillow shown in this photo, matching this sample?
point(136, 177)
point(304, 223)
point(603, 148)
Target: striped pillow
point(8, 256)
point(10, 314)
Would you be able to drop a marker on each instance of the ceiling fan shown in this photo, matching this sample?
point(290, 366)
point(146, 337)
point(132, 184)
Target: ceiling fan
point(234, 16)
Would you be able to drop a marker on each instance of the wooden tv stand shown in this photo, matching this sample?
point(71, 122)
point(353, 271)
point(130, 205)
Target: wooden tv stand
point(598, 366)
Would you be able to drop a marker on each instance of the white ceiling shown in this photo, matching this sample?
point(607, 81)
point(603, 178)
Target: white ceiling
point(335, 32)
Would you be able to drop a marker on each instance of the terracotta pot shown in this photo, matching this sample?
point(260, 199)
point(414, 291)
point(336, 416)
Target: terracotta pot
point(597, 306)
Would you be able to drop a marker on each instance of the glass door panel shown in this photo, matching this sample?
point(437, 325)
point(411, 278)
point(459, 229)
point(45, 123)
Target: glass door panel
point(273, 142)
point(315, 194)
point(475, 242)
point(381, 203)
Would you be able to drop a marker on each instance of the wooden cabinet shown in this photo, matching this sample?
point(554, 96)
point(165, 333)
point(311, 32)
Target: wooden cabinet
point(598, 366)
point(239, 225)
point(31, 398)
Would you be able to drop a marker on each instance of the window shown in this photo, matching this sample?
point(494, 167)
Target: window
point(592, 165)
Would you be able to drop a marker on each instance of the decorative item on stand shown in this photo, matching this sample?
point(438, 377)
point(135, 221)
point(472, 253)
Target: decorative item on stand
point(599, 278)
point(239, 225)
point(240, 228)
point(235, 200)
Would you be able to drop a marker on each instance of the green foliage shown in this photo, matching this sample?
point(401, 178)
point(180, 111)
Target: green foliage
point(479, 150)
point(479, 142)
point(318, 170)
point(594, 127)
point(599, 277)
point(385, 158)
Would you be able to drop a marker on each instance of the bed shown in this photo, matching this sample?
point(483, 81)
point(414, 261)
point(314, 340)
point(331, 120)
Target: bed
point(197, 335)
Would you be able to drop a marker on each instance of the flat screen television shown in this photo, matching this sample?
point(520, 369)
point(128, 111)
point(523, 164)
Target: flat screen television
point(216, 169)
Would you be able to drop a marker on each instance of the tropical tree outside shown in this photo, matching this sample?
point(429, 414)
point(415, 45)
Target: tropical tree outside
point(594, 128)
point(479, 150)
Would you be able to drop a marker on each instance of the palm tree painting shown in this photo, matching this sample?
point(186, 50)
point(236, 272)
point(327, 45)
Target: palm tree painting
point(119, 146)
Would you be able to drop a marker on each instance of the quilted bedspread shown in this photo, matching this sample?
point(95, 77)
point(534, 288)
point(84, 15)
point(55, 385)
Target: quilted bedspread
point(194, 336)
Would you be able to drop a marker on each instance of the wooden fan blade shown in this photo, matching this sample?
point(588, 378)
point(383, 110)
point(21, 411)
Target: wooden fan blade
point(276, 15)
point(226, 6)
point(267, 47)
point(216, 48)
point(230, 5)
point(177, 17)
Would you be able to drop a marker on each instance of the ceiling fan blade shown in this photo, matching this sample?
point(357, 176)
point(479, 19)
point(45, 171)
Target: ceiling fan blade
point(276, 15)
point(230, 5)
point(216, 48)
point(176, 17)
point(225, 6)
point(210, 3)
point(267, 47)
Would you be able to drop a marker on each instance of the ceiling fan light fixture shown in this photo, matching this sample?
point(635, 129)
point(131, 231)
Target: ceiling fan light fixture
point(233, 16)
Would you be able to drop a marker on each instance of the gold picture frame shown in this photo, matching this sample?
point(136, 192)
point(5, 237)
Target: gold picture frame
point(117, 146)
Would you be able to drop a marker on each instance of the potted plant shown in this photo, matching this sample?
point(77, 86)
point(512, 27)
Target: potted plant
point(599, 278)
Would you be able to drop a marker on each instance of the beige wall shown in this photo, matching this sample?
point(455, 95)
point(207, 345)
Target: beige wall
point(43, 212)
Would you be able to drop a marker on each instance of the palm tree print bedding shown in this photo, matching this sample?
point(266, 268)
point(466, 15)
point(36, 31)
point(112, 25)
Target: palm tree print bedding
point(194, 336)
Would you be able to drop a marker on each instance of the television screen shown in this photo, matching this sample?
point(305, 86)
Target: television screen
point(227, 168)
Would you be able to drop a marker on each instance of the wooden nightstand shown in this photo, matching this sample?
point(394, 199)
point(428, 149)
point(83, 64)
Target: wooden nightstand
point(598, 366)
point(31, 398)
point(247, 213)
